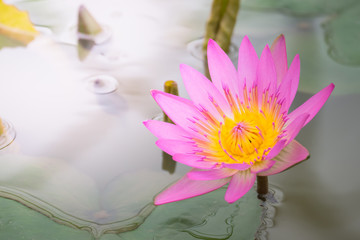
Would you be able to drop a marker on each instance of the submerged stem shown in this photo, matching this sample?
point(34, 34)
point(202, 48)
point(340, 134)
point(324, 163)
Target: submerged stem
point(262, 186)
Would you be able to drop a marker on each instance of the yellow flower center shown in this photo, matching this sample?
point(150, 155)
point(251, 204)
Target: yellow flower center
point(248, 136)
point(239, 139)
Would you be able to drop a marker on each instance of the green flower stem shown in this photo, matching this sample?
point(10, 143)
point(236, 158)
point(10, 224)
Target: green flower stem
point(262, 186)
point(212, 26)
point(172, 88)
point(220, 25)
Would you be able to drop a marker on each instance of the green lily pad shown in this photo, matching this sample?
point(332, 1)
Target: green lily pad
point(343, 36)
point(20, 222)
point(300, 8)
point(39, 183)
point(341, 31)
point(304, 36)
point(110, 237)
point(68, 196)
point(205, 217)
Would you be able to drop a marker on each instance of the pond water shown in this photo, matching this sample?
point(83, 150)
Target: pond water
point(86, 161)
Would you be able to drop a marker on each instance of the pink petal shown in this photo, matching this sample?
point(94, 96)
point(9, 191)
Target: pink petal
point(194, 160)
point(211, 174)
point(266, 72)
point(294, 127)
point(222, 71)
point(237, 166)
point(276, 149)
point(278, 51)
point(187, 188)
point(313, 104)
point(203, 92)
point(175, 146)
point(290, 155)
point(262, 166)
point(167, 130)
point(180, 110)
point(247, 63)
point(289, 84)
point(239, 185)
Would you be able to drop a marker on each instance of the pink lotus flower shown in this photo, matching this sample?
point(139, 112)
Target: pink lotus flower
point(236, 127)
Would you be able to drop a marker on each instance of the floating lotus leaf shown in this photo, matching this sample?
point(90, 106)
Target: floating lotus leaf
point(342, 36)
point(306, 37)
point(300, 8)
point(20, 222)
point(204, 217)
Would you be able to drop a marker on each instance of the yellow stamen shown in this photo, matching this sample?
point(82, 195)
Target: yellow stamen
point(249, 135)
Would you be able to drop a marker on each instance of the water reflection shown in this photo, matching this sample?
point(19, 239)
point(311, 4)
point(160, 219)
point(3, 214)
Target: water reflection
point(204, 217)
point(168, 164)
point(84, 47)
